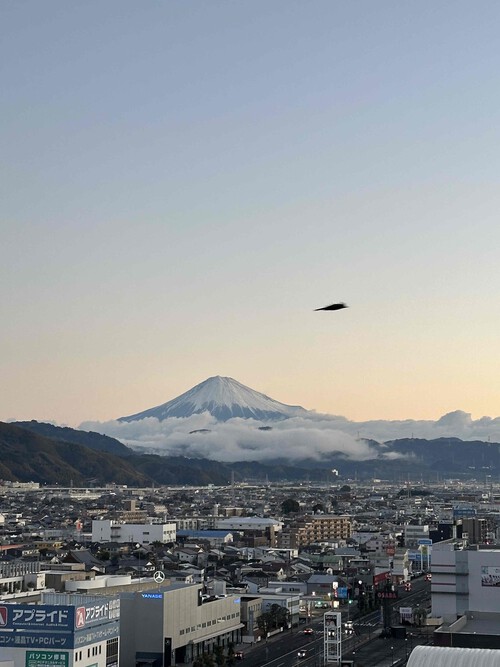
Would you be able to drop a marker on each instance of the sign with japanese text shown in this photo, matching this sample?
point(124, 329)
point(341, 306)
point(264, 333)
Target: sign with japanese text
point(58, 640)
point(96, 614)
point(93, 635)
point(37, 617)
point(35, 640)
point(58, 617)
point(332, 635)
point(46, 659)
point(387, 595)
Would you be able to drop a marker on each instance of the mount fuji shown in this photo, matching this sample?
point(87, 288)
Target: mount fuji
point(224, 398)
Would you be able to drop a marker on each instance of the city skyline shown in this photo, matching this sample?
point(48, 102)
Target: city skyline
point(183, 184)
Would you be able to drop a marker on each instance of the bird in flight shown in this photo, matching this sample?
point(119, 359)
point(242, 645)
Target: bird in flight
point(333, 306)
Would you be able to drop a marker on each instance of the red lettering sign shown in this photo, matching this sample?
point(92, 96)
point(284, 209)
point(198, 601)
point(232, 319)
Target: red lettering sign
point(80, 617)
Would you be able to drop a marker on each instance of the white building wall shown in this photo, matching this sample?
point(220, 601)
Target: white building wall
point(248, 523)
point(144, 533)
point(464, 581)
point(445, 602)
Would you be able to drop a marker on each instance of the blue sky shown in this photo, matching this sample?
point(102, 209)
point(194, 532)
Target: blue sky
point(182, 183)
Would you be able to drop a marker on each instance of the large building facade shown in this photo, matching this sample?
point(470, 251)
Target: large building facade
point(108, 530)
point(62, 631)
point(464, 580)
point(176, 624)
point(315, 529)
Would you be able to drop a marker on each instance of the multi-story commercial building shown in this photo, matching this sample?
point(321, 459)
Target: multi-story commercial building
point(107, 530)
point(414, 533)
point(464, 580)
point(18, 577)
point(474, 530)
point(466, 595)
point(175, 625)
point(62, 631)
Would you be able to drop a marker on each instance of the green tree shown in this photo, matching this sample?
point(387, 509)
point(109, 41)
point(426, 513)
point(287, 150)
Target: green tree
point(290, 505)
point(280, 616)
point(208, 660)
point(420, 616)
point(264, 623)
point(318, 508)
point(220, 658)
point(276, 617)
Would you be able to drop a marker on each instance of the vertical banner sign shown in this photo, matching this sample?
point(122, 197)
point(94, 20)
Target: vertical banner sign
point(332, 626)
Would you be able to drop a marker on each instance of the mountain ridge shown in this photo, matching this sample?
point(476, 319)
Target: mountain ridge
point(27, 456)
point(90, 439)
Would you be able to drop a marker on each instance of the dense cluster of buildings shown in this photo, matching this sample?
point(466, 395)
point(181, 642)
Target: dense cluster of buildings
point(153, 577)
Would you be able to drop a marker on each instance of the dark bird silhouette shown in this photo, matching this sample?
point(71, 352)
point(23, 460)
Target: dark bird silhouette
point(333, 306)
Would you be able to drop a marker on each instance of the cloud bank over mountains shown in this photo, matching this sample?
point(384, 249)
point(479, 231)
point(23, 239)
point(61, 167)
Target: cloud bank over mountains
point(234, 440)
point(314, 436)
point(224, 420)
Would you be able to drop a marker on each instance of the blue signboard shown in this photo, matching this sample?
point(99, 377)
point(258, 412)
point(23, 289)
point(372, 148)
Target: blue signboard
point(37, 617)
point(58, 640)
point(107, 631)
point(464, 512)
point(35, 640)
point(342, 592)
point(425, 542)
point(64, 618)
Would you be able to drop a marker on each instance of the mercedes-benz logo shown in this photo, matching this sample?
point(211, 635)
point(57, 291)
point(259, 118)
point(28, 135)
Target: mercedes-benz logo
point(159, 576)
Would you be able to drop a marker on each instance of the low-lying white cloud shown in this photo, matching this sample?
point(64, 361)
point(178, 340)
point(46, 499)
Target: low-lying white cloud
point(314, 436)
point(236, 439)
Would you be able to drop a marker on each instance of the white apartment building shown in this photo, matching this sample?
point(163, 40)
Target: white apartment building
point(108, 530)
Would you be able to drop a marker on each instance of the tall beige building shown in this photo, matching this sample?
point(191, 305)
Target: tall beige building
point(313, 529)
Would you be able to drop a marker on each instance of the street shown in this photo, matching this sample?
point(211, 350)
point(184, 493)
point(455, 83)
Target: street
point(364, 647)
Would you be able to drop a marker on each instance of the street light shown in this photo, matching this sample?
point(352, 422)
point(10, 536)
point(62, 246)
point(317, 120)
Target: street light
point(392, 655)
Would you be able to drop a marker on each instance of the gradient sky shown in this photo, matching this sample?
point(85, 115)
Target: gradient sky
point(183, 182)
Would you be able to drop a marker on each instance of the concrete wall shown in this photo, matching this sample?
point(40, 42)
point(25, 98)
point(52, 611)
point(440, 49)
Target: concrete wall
point(483, 598)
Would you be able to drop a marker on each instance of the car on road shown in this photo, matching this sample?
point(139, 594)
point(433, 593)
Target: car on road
point(308, 631)
point(302, 653)
point(349, 627)
point(239, 655)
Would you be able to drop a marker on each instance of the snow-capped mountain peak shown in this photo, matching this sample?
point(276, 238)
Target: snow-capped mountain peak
point(224, 398)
